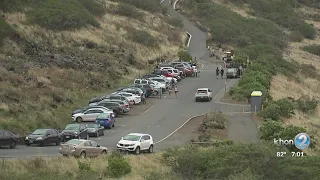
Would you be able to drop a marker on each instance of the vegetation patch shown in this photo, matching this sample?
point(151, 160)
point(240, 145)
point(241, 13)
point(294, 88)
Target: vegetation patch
point(313, 49)
point(61, 15)
point(5, 30)
point(128, 10)
point(213, 124)
point(150, 5)
point(143, 37)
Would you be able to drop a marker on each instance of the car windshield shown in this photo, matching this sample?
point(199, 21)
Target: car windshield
point(72, 127)
point(40, 132)
point(74, 142)
point(159, 80)
point(104, 115)
point(115, 97)
point(130, 137)
point(202, 91)
point(92, 125)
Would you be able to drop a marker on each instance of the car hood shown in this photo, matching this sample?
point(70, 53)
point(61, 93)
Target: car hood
point(127, 142)
point(77, 111)
point(32, 136)
point(78, 114)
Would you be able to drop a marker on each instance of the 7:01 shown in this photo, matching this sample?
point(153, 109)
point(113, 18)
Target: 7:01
point(297, 154)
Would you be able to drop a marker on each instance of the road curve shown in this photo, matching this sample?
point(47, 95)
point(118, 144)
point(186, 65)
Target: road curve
point(165, 115)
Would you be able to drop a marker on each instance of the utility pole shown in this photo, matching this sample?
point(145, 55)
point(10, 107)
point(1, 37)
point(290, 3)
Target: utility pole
point(225, 86)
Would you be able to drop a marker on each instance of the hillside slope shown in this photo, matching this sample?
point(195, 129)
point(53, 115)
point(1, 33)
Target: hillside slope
point(56, 55)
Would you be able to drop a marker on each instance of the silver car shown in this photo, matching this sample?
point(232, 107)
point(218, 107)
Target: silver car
point(90, 114)
point(95, 130)
point(125, 104)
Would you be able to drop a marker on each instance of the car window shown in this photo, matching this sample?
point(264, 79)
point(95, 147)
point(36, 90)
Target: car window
point(87, 143)
point(144, 82)
point(89, 112)
point(7, 134)
point(137, 81)
point(210, 90)
point(72, 127)
point(202, 91)
point(54, 132)
point(98, 111)
point(94, 144)
point(49, 132)
point(104, 115)
point(146, 137)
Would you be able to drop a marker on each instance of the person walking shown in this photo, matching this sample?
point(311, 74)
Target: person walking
point(144, 100)
point(217, 72)
point(176, 91)
point(222, 72)
point(169, 91)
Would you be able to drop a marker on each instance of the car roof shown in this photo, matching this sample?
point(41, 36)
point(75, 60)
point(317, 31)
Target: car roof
point(203, 88)
point(138, 134)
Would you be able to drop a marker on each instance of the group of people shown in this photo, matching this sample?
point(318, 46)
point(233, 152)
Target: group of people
point(219, 71)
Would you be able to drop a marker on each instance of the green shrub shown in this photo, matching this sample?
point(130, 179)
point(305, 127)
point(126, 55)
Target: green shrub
point(94, 7)
point(296, 36)
point(245, 90)
point(257, 76)
point(5, 30)
point(227, 161)
point(61, 15)
point(129, 10)
point(11, 6)
point(271, 111)
point(306, 104)
point(176, 22)
point(313, 49)
point(150, 5)
point(84, 166)
point(118, 166)
point(270, 129)
point(184, 56)
point(286, 107)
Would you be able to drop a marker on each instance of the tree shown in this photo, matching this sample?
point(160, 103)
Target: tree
point(184, 56)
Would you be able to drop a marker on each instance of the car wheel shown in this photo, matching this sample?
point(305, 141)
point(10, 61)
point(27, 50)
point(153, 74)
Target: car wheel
point(13, 145)
point(104, 153)
point(28, 144)
point(83, 155)
point(79, 119)
point(58, 142)
point(150, 150)
point(44, 143)
point(113, 125)
point(137, 151)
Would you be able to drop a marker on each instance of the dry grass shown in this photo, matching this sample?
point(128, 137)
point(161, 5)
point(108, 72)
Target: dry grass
point(243, 11)
point(142, 165)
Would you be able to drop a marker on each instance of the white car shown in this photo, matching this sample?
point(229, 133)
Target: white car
point(166, 68)
point(203, 94)
point(175, 72)
point(159, 80)
point(132, 97)
point(90, 114)
point(136, 142)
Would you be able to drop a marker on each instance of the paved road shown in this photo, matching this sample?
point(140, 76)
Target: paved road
point(166, 114)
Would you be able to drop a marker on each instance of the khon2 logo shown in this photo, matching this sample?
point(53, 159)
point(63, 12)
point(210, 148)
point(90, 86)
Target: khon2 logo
point(301, 141)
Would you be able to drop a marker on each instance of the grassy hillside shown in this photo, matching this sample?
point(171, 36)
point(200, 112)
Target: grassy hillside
point(55, 55)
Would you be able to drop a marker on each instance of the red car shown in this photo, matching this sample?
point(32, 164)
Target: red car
point(187, 71)
point(162, 72)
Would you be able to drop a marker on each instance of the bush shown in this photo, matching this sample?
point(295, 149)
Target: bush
point(306, 104)
point(184, 56)
point(286, 107)
point(226, 161)
point(150, 5)
point(84, 166)
point(176, 22)
point(313, 49)
point(5, 30)
point(118, 166)
point(128, 10)
point(270, 129)
point(143, 37)
point(271, 111)
point(94, 7)
point(296, 36)
point(61, 15)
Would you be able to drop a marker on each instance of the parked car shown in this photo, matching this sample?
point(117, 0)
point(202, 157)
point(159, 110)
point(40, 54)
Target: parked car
point(175, 73)
point(124, 104)
point(73, 131)
point(136, 99)
point(96, 99)
point(105, 120)
point(187, 70)
point(82, 110)
point(82, 148)
point(203, 94)
point(233, 73)
point(145, 87)
point(116, 96)
point(90, 114)
point(136, 142)
point(137, 81)
point(160, 80)
point(7, 138)
point(95, 130)
point(134, 91)
point(43, 137)
point(175, 63)
point(114, 106)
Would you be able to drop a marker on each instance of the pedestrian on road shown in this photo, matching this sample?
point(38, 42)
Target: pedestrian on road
point(176, 91)
point(170, 90)
point(144, 100)
point(222, 72)
point(217, 72)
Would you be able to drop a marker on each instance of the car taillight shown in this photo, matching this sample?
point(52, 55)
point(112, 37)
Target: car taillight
point(127, 105)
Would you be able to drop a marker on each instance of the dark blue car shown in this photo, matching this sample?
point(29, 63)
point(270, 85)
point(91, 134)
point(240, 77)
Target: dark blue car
point(105, 120)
